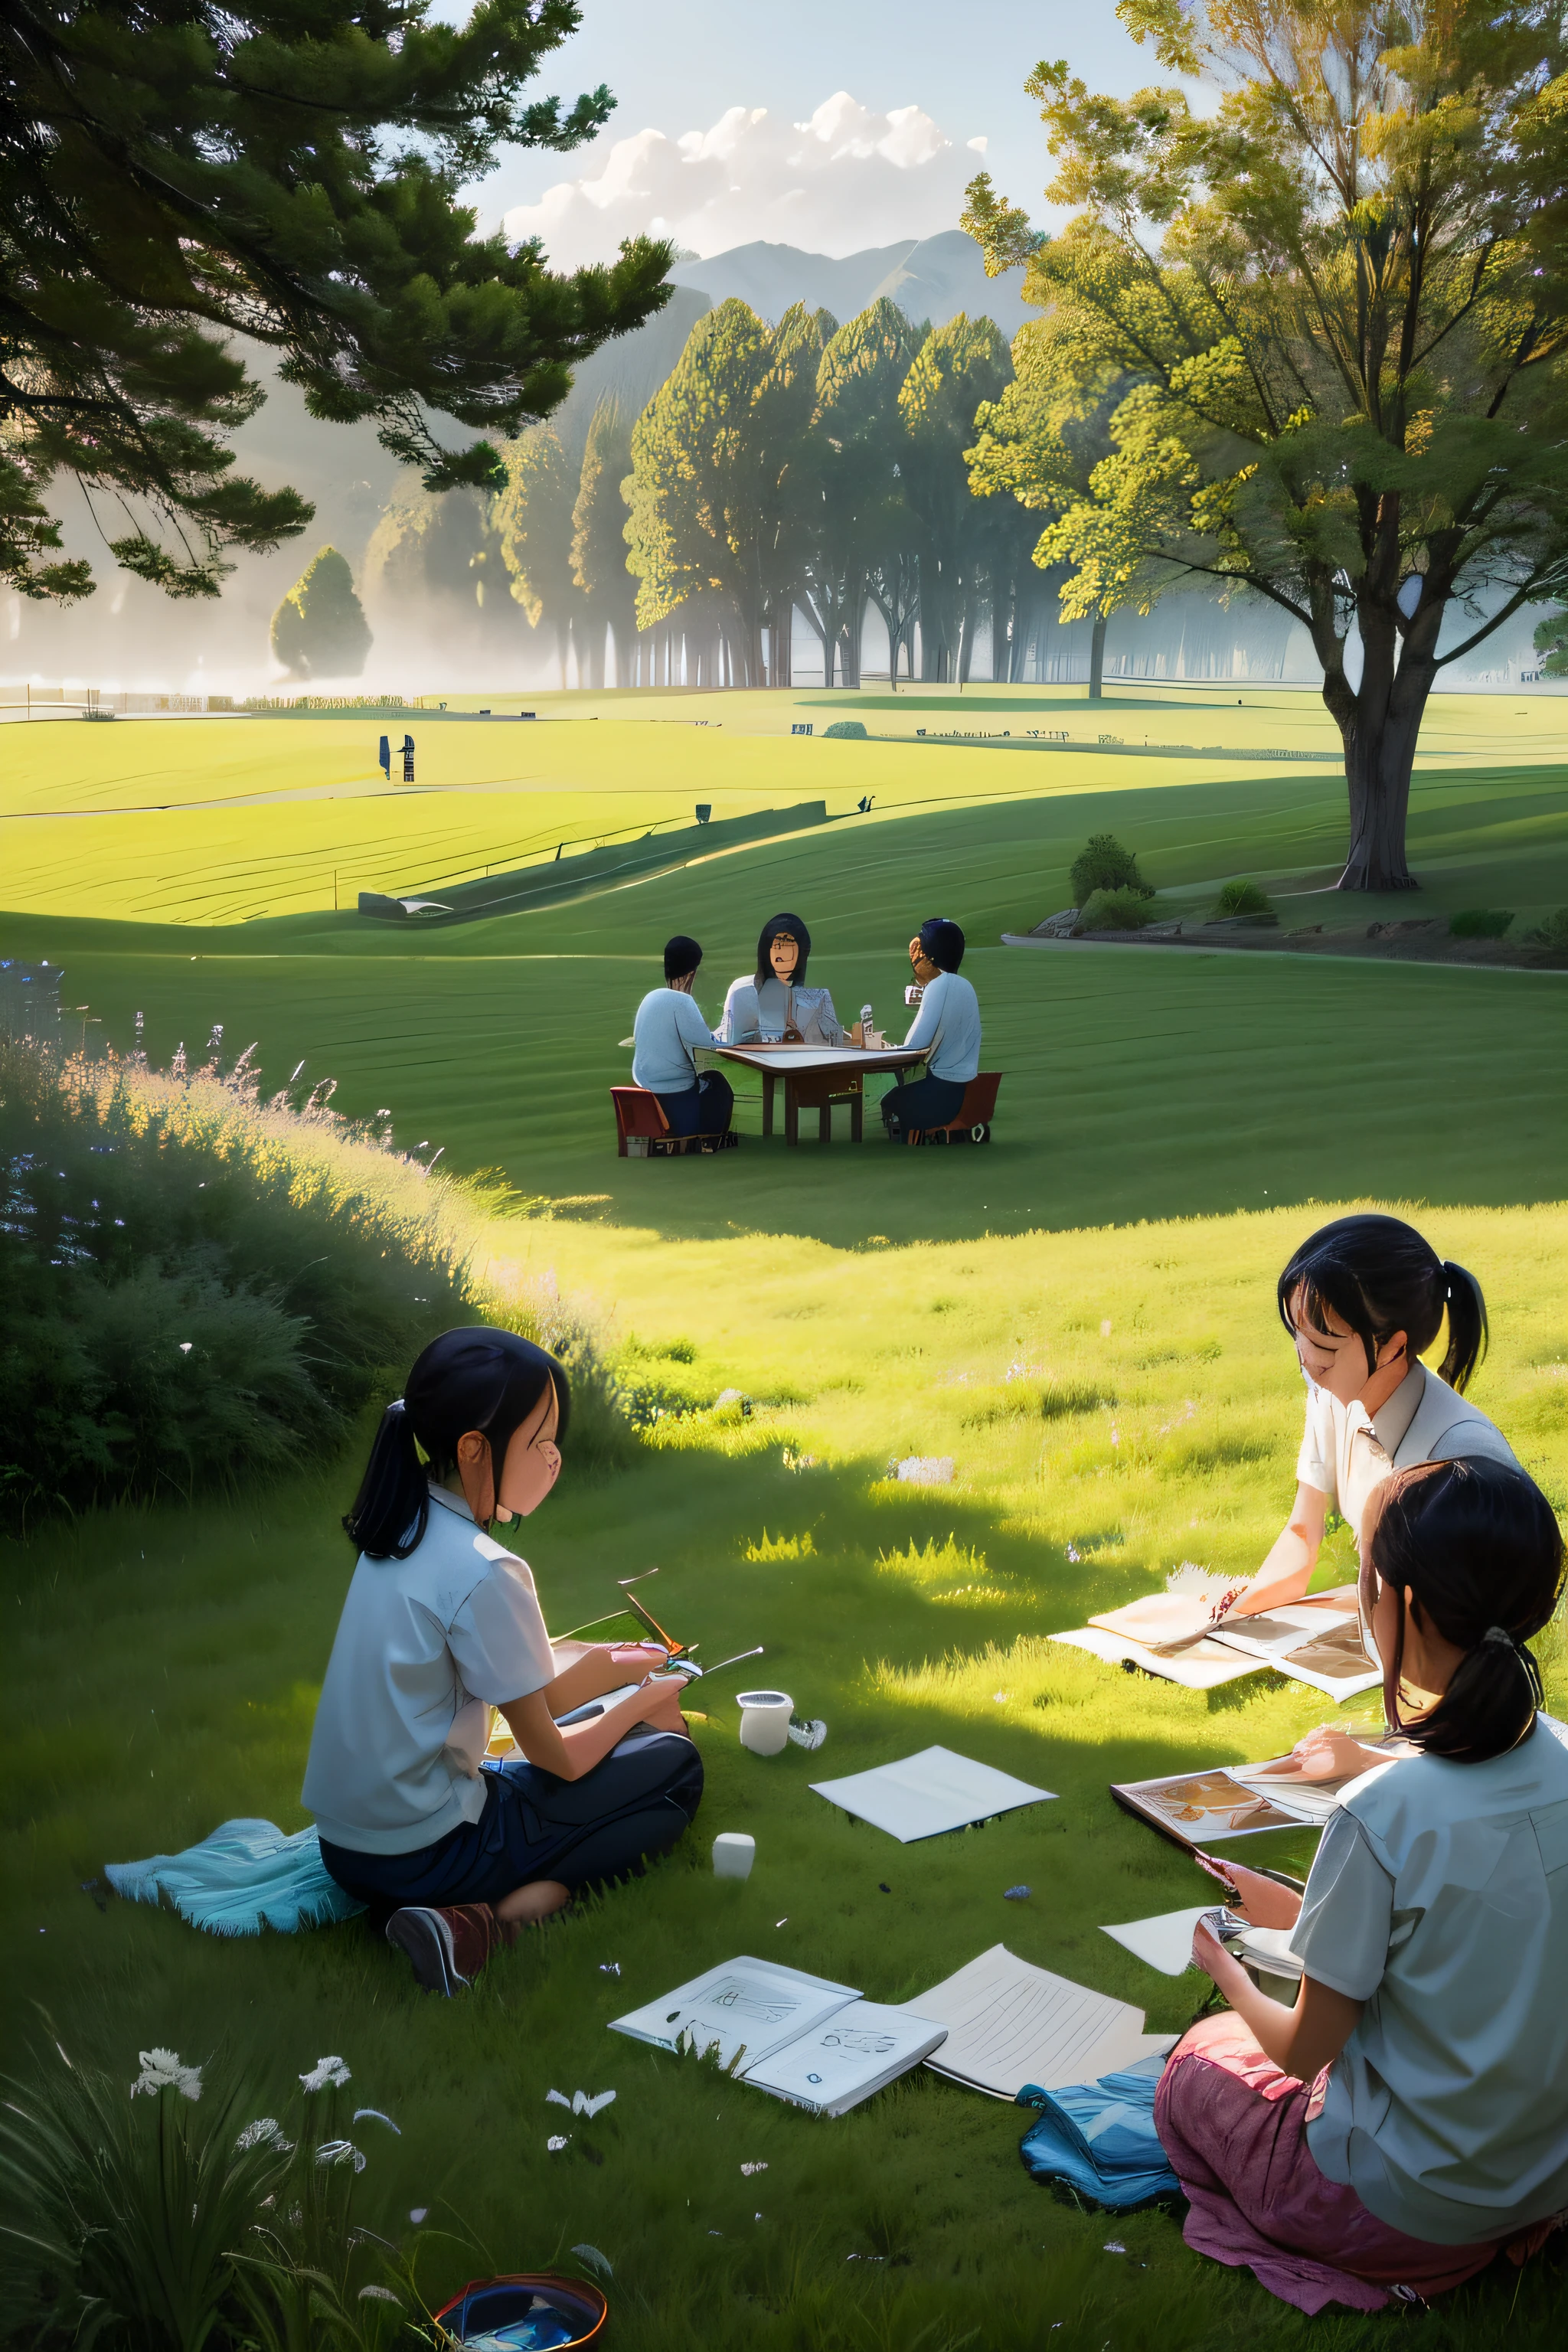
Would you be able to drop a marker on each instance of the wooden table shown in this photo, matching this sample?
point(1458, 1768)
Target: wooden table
point(815, 1078)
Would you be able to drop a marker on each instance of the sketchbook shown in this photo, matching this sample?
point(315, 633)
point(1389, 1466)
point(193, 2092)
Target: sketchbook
point(1233, 1801)
point(1203, 1665)
point(1009, 2022)
point(799, 2037)
point(925, 1795)
point(1317, 1641)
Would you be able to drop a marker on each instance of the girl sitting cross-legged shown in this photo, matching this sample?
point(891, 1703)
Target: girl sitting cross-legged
point(1409, 2116)
point(440, 1627)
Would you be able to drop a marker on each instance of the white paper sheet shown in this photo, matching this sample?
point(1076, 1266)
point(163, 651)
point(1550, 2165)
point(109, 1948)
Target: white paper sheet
point(1009, 2022)
point(1164, 1942)
point(923, 1795)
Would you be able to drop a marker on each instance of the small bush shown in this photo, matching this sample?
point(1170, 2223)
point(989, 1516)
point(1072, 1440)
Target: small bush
point(1104, 865)
point(1480, 922)
point(1117, 911)
point(1554, 933)
point(1243, 898)
point(846, 730)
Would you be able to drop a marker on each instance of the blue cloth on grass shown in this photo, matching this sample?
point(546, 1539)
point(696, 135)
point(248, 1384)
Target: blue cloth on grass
point(1100, 2137)
point(245, 1876)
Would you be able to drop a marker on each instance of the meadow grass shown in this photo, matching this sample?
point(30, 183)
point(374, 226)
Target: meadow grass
point(222, 821)
point(1081, 1314)
point(162, 1676)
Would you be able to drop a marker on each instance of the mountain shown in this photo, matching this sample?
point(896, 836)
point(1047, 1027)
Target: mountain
point(932, 277)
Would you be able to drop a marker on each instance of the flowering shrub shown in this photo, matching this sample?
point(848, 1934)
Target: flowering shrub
point(203, 1283)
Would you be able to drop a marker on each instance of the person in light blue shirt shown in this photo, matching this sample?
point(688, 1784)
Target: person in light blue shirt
point(947, 1026)
point(666, 1036)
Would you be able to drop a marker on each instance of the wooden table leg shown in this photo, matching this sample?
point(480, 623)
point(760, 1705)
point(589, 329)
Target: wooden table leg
point(857, 1120)
point(792, 1112)
point(825, 1124)
point(767, 1102)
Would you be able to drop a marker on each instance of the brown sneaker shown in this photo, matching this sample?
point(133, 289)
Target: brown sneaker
point(446, 1947)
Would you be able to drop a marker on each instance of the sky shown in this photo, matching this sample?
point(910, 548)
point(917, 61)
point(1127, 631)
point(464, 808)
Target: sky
point(835, 125)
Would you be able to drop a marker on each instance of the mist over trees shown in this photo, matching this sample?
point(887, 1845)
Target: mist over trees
point(807, 468)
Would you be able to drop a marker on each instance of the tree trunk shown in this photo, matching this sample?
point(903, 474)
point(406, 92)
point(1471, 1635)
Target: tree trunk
point(1097, 658)
point(1380, 752)
point(1380, 724)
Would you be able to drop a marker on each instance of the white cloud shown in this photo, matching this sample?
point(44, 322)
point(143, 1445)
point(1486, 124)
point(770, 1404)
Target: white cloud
point(844, 180)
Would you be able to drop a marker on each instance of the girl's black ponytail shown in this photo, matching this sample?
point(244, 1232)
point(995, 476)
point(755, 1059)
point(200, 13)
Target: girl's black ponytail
point(1467, 1331)
point(393, 1506)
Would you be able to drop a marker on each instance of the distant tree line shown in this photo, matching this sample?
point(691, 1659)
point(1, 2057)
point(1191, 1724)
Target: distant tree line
point(807, 466)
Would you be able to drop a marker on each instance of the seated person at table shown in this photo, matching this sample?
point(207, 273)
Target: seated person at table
point(440, 1626)
point(666, 1036)
point(773, 1004)
point(947, 1026)
point(1408, 2114)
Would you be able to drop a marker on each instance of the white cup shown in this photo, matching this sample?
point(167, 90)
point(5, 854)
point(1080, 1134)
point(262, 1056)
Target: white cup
point(733, 1854)
point(764, 1720)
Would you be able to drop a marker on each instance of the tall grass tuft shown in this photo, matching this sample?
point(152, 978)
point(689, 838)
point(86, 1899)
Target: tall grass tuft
point(182, 2219)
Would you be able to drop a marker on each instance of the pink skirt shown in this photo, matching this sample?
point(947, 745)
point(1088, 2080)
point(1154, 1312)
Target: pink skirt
point(1235, 2129)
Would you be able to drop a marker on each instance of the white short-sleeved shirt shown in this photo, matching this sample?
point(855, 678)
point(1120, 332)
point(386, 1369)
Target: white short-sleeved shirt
point(425, 1648)
point(1439, 1898)
point(1345, 1453)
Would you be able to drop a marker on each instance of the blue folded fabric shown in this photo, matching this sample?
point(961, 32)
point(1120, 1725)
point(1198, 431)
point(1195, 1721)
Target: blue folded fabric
point(1100, 2137)
point(245, 1876)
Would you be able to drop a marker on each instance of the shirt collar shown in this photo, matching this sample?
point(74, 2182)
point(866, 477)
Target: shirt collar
point(451, 1502)
point(1390, 1424)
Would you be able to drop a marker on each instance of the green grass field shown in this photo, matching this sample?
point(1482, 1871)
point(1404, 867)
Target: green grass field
point(1081, 1314)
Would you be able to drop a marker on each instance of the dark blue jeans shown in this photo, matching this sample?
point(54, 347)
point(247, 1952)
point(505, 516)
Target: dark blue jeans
point(702, 1109)
point(631, 1807)
point(930, 1102)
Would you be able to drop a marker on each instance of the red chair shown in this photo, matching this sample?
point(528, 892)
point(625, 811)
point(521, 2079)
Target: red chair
point(972, 1123)
point(639, 1119)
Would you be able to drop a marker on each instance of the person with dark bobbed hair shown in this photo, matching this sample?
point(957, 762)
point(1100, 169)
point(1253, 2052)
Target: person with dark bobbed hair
point(1363, 1298)
point(773, 1004)
point(667, 1035)
point(453, 1854)
point(947, 1028)
point(1405, 2117)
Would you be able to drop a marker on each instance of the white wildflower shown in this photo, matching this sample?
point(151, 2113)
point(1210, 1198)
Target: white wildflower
point(265, 2132)
point(376, 2117)
point(326, 2075)
point(417, 2214)
point(163, 2069)
point(557, 2099)
point(585, 2105)
point(340, 2151)
point(747, 2169)
point(557, 2141)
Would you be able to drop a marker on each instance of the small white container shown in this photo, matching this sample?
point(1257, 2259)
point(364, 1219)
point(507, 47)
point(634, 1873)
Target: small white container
point(733, 1854)
point(764, 1720)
